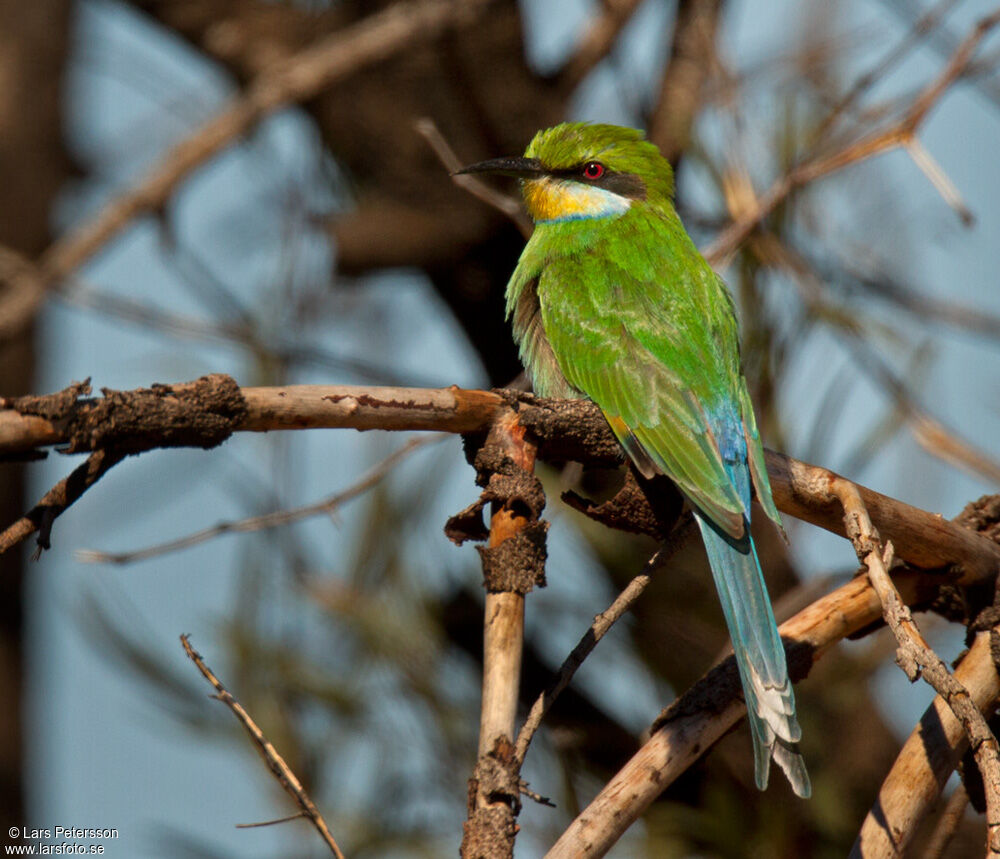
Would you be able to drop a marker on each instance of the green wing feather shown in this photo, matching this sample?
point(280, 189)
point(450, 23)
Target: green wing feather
point(644, 328)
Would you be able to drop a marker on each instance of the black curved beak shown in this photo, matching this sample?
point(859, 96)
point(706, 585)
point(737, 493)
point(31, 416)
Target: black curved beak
point(522, 168)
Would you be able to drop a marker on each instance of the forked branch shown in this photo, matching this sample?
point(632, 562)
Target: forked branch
point(917, 658)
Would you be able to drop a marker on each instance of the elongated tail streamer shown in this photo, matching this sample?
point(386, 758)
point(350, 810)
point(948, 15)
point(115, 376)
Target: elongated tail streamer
point(760, 655)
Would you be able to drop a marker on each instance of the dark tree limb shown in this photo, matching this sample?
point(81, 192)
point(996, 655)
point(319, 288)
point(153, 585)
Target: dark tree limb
point(55, 502)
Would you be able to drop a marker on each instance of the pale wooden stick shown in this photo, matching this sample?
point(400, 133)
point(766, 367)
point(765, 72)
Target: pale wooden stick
point(920, 538)
point(503, 645)
point(503, 625)
point(490, 825)
point(916, 657)
point(939, 179)
point(927, 758)
point(706, 712)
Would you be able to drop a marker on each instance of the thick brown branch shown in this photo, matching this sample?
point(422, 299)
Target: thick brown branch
point(923, 539)
point(563, 430)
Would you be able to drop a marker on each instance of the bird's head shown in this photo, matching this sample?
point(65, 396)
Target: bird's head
point(576, 170)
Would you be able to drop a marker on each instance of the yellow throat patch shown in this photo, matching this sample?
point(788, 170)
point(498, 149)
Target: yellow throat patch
point(549, 199)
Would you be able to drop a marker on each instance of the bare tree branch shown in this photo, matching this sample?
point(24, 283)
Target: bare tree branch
point(929, 432)
point(513, 564)
point(709, 709)
point(54, 502)
point(275, 763)
point(508, 206)
point(293, 79)
point(598, 39)
point(268, 520)
point(928, 757)
point(873, 144)
point(947, 825)
point(563, 430)
point(917, 658)
point(692, 57)
point(602, 623)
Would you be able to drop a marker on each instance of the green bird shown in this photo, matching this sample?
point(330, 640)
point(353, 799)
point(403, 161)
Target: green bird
point(611, 300)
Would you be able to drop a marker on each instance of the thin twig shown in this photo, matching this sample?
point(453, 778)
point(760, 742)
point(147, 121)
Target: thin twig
point(929, 432)
point(873, 144)
point(286, 819)
point(507, 205)
point(918, 32)
point(939, 179)
point(916, 658)
point(275, 763)
point(534, 796)
point(267, 520)
point(602, 623)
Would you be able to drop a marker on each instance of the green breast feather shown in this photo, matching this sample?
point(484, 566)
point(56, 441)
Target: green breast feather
point(634, 317)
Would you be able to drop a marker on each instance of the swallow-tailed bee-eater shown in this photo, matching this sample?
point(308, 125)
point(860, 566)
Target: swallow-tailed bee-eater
point(611, 300)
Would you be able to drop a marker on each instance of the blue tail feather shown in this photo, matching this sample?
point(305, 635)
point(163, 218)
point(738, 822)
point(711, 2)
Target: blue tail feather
point(760, 655)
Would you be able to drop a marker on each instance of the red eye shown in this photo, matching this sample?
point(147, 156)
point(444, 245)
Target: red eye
point(593, 170)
